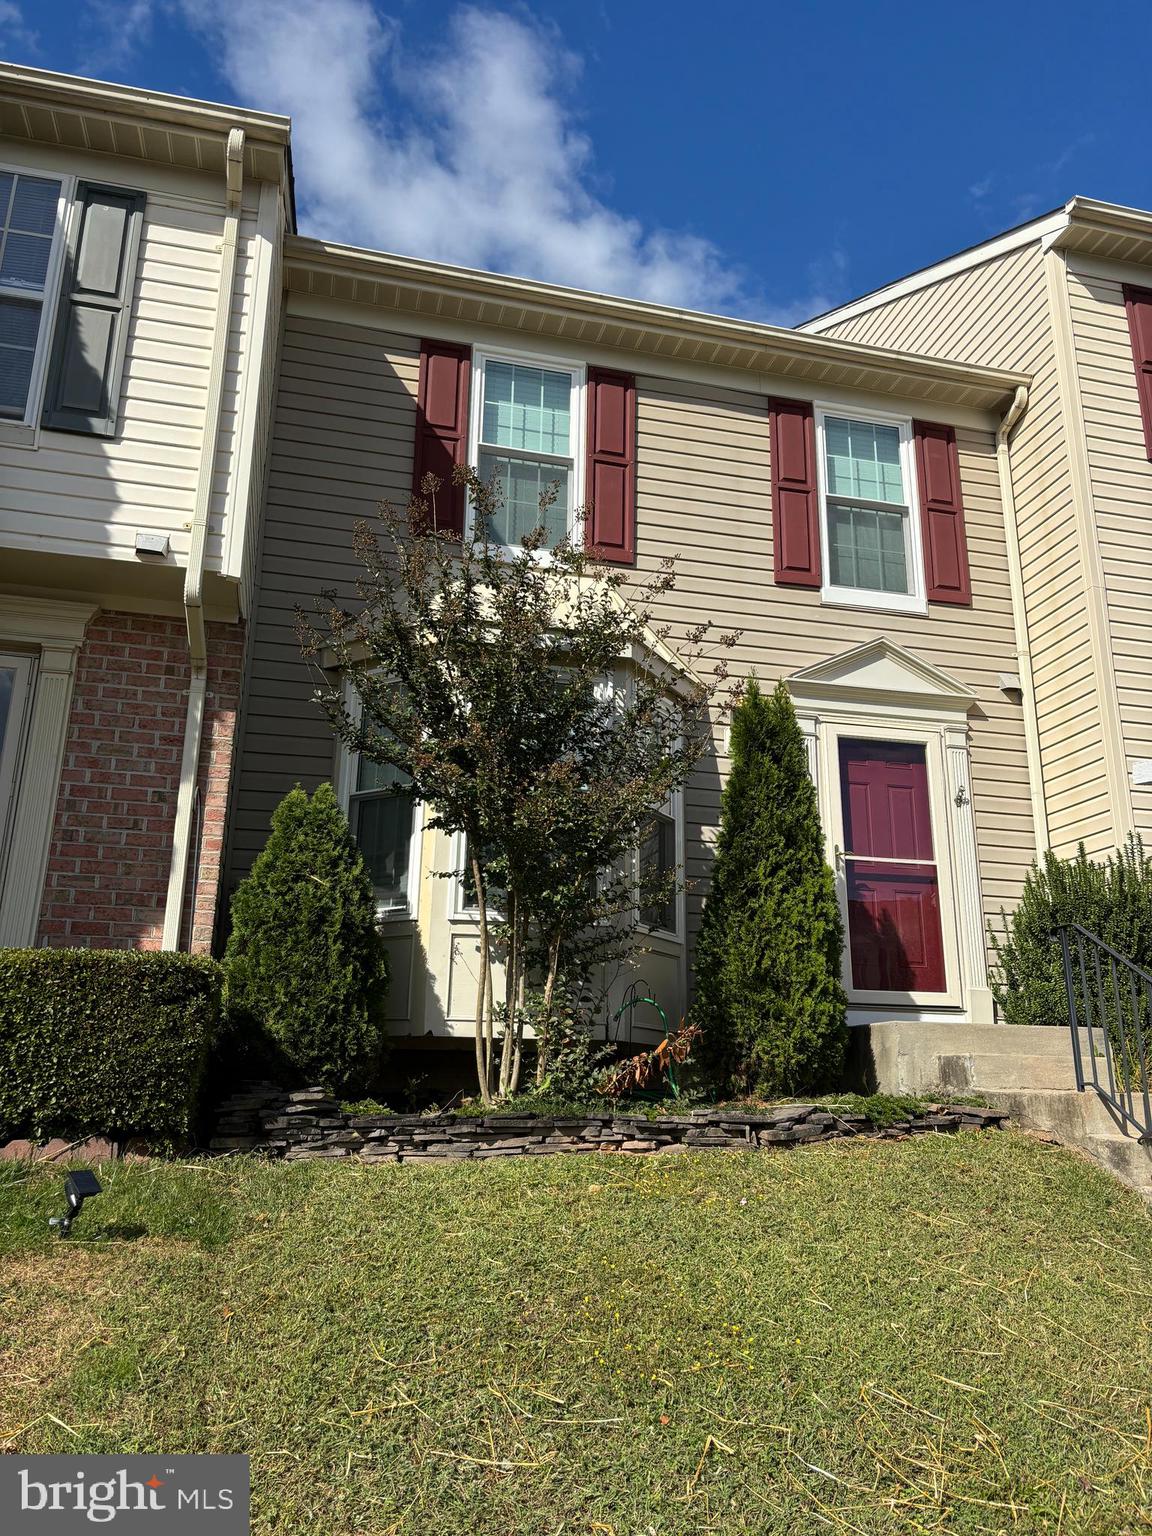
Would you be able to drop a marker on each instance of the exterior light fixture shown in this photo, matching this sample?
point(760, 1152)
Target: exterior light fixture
point(77, 1187)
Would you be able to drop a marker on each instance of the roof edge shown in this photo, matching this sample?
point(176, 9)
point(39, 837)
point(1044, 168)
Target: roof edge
point(779, 342)
point(79, 92)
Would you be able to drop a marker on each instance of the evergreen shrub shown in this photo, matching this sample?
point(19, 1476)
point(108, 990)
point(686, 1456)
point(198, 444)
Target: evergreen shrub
point(768, 991)
point(305, 964)
point(1111, 899)
point(103, 1042)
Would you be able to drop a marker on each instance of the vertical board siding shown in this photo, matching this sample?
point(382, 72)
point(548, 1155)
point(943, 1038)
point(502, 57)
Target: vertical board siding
point(1122, 498)
point(996, 314)
point(704, 484)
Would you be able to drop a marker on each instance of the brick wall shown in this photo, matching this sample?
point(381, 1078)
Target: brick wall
point(112, 836)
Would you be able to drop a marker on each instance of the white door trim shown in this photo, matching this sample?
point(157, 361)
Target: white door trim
point(880, 691)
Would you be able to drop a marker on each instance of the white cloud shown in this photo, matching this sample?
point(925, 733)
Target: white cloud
point(111, 34)
point(470, 154)
point(15, 35)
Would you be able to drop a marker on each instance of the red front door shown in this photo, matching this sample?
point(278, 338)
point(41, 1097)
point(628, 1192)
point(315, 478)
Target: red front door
point(894, 931)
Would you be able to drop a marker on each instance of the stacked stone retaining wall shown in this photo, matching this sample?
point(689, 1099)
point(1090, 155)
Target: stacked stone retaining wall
point(308, 1124)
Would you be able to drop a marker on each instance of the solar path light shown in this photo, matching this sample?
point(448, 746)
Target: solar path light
point(79, 1184)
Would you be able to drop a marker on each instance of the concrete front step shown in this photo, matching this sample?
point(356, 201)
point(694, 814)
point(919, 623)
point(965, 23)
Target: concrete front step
point(1027, 1072)
point(1082, 1120)
point(905, 1056)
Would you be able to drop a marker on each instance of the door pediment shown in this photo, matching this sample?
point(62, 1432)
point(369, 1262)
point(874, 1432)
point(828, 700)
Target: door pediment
point(881, 672)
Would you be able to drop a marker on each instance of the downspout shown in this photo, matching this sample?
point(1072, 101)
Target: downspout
point(198, 548)
point(1020, 620)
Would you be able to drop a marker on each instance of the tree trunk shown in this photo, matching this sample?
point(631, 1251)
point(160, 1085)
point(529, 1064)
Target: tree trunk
point(546, 1007)
point(484, 989)
point(511, 994)
point(518, 1033)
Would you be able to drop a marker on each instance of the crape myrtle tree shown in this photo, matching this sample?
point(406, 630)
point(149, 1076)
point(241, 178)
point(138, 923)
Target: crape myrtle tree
point(530, 702)
point(768, 992)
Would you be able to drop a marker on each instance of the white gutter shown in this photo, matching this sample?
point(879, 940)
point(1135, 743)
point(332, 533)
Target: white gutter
point(1020, 620)
point(198, 547)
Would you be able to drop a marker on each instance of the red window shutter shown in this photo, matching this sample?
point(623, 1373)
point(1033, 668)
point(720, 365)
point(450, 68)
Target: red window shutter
point(442, 428)
point(795, 504)
point(942, 514)
point(1138, 303)
point(610, 525)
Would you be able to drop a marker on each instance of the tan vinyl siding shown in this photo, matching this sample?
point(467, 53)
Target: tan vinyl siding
point(343, 438)
point(704, 495)
point(997, 314)
point(1121, 497)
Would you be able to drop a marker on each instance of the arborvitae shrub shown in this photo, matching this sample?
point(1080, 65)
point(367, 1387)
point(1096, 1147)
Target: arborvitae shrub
point(103, 1042)
point(305, 961)
point(768, 991)
point(1112, 900)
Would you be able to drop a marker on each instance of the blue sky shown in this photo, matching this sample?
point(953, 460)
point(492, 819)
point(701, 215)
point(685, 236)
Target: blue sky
point(763, 159)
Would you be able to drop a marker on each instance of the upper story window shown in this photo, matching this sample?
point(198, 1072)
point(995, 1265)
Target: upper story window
point(526, 433)
point(31, 222)
point(869, 528)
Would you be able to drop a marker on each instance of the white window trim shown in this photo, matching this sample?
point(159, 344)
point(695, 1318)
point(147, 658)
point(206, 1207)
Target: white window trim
point(915, 601)
point(65, 206)
point(481, 357)
point(457, 911)
point(346, 765)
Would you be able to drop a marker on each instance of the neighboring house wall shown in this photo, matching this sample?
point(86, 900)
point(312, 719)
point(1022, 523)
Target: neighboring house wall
point(343, 439)
point(998, 314)
point(90, 834)
point(88, 496)
point(1121, 478)
point(1084, 504)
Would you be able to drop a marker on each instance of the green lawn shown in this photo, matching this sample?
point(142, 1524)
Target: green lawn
point(940, 1335)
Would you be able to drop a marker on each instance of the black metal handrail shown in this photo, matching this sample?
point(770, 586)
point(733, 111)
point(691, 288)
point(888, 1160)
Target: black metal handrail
point(1110, 1000)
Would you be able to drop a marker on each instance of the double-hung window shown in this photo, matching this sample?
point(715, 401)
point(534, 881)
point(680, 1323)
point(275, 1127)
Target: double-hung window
point(870, 527)
point(383, 825)
point(32, 210)
point(527, 426)
point(659, 862)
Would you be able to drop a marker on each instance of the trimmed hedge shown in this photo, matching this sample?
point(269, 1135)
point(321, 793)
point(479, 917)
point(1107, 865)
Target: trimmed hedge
point(103, 1042)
